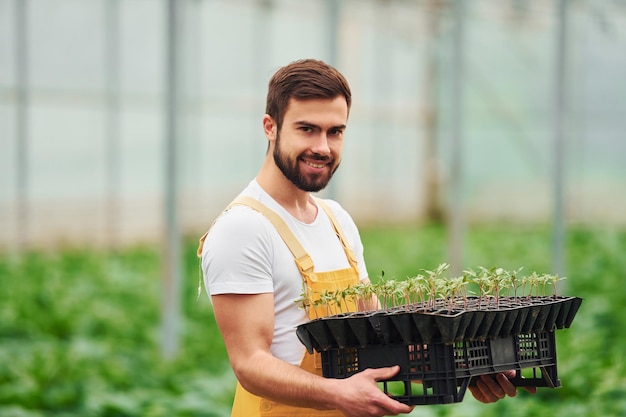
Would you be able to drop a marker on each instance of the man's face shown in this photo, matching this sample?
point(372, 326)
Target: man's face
point(309, 144)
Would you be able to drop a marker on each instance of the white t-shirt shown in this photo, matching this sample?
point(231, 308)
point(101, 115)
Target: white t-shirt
point(244, 254)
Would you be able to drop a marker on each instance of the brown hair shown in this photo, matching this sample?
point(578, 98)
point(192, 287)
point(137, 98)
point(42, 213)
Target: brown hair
point(304, 79)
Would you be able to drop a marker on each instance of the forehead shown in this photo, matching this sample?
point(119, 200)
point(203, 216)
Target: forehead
point(319, 111)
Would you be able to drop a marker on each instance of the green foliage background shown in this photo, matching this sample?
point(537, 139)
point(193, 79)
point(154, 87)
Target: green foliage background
point(79, 330)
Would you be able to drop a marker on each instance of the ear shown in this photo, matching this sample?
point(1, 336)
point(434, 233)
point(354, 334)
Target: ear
point(269, 127)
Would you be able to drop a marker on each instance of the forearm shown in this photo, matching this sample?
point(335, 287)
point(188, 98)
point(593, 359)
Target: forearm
point(357, 396)
point(264, 375)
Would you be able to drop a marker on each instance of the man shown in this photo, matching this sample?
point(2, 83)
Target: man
point(276, 241)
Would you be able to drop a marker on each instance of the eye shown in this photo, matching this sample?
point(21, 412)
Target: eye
point(335, 132)
point(306, 129)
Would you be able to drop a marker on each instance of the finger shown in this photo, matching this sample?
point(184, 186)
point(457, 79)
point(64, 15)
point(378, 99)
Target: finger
point(392, 407)
point(380, 374)
point(507, 386)
point(482, 392)
point(398, 409)
point(509, 374)
point(389, 405)
point(477, 393)
point(512, 374)
point(493, 386)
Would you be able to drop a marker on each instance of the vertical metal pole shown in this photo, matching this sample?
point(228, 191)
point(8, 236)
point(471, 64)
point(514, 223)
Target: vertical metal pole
point(193, 93)
point(560, 111)
point(262, 41)
point(172, 263)
point(22, 132)
point(112, 134)
point(430, 172)
point(332, 7)
point(457, 219)
point(262, 55)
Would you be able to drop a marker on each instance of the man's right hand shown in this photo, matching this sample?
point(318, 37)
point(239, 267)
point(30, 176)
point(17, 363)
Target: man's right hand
point(360, 396)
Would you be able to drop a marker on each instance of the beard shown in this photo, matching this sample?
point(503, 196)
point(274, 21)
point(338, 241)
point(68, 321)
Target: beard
point(291, 170)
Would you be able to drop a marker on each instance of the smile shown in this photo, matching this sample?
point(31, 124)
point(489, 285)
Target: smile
point(314, 165)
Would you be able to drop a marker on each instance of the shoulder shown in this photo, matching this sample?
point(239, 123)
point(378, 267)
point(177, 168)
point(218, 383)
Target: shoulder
point(239, 221)
point(238, 253)
point(240, 236)
point(239, 231)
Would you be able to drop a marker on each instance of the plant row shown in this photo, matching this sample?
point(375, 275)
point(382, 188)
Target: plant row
point(432, 291)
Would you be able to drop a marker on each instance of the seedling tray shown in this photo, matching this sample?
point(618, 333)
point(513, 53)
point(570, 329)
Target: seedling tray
point(448, 323)
point(444, 349)
point(446, 370)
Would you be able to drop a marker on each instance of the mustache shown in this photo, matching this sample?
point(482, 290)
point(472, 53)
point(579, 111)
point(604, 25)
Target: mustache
point(317, 157)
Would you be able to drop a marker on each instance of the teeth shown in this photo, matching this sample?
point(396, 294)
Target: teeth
point(315, 165)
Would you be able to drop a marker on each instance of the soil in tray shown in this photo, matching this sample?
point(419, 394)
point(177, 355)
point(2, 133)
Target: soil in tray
point(464, 319)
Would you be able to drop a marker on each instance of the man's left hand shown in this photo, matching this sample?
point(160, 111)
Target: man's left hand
point(494, 387)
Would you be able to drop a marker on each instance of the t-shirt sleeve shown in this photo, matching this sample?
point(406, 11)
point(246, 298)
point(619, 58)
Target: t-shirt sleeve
point(237, 254)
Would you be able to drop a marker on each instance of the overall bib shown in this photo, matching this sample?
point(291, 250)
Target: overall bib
point(249, 405)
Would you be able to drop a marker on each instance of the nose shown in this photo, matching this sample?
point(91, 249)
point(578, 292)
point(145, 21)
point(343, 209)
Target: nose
point(320, 144)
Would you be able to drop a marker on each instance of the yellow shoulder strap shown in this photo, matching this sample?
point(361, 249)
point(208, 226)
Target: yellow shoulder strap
point(339, 232)
point(303, 260)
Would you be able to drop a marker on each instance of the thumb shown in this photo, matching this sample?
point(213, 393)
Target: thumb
point(384, 373)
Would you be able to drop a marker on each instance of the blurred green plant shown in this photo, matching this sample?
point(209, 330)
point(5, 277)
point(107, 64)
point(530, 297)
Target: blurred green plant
point(590, 353)
point(79, 329)
point(79, 337)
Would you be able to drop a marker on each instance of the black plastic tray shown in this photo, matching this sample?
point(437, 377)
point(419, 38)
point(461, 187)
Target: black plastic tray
point(446, 370)
point(415, 325)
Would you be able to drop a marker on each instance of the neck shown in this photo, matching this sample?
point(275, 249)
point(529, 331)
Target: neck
point(297, 202)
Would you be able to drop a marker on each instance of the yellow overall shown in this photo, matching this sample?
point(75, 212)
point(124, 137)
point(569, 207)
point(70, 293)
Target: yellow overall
point(249, 405)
